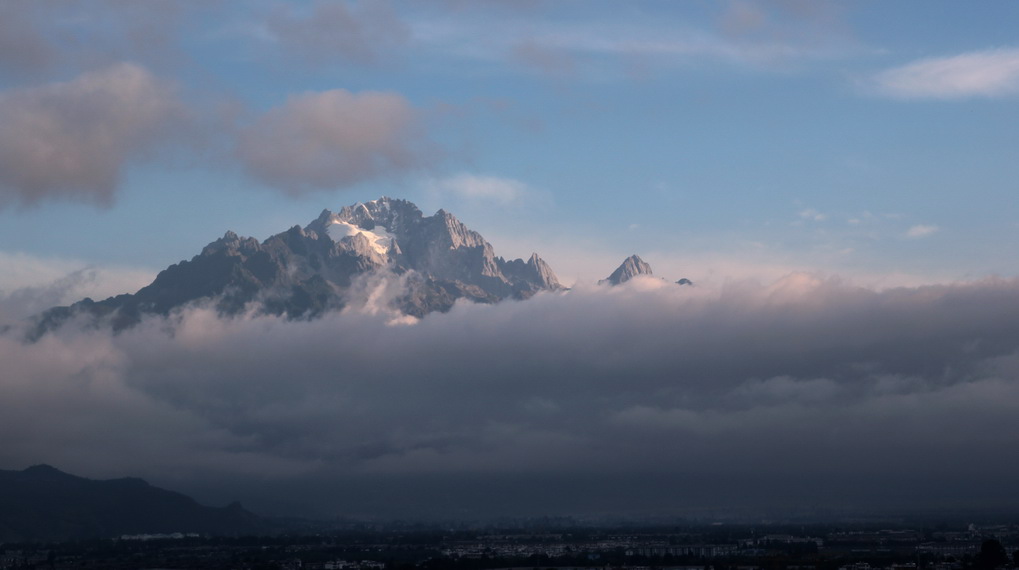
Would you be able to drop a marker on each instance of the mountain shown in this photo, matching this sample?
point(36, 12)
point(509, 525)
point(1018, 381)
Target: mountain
point(631, 267)
point(44, 503)
point(305, 272)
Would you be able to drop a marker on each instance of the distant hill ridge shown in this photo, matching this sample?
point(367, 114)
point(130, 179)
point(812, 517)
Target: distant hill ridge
point(42, 503)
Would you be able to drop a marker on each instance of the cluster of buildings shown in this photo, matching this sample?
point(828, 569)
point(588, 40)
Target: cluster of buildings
point(676, 548)
point(509, 546)
point(298, 564)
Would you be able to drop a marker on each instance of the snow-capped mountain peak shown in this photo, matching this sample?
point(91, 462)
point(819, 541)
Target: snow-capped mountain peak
point(305, 272)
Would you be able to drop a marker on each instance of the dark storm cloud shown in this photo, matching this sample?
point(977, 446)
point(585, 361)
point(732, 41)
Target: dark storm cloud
point(802, 389)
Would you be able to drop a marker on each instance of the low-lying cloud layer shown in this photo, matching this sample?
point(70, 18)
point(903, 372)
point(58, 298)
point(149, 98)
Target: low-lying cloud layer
point(642, 397)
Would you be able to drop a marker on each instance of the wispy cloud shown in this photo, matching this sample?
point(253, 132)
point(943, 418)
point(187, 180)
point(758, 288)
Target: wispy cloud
point(922, 230)
point(632, 41)
point(30, 284)
point(988, 73)
point(812, 215)
point(331, 32)
point(42, 37)
point(480, 188)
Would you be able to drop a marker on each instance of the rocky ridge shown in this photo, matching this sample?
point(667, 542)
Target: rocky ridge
point(305, 272)
point(632, 267)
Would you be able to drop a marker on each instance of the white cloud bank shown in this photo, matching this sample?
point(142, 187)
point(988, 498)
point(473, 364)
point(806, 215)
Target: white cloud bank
point(988, 73)
point(645, 396)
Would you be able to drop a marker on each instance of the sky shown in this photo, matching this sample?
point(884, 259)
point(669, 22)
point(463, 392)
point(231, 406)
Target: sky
point(837, 179)
point(719, 141)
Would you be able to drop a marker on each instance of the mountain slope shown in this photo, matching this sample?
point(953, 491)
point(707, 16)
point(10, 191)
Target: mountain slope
point(304, 272)
point(44, 503)
point(631, 267)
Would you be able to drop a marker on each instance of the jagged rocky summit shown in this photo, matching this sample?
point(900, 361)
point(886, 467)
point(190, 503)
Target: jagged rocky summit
point(631, 267)
point(305, 272)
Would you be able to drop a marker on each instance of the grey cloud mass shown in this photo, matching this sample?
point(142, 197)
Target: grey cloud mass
point(330, 139)
point(72, 140)
point(43, 37)
point(22, 48)
point(637, 398)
